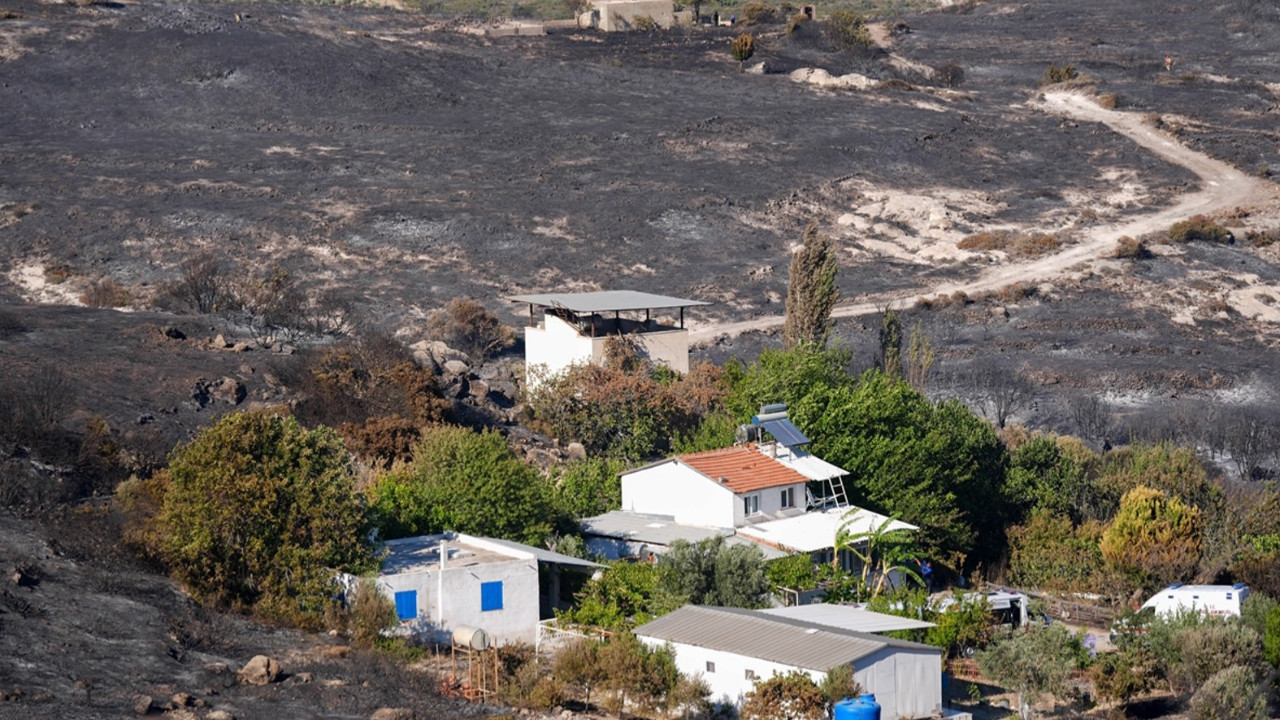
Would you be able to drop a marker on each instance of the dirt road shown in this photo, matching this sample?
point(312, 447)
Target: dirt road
point(1222, 187)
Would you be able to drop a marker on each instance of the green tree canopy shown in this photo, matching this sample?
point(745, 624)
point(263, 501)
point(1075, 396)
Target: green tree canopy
point(793, 696)
point(710, 572)
point(259, 511)
point(585, 488)
point(811, 292)
point(464, 481)
point(1154, 537)
point(1033, 663)
point(1045, 475)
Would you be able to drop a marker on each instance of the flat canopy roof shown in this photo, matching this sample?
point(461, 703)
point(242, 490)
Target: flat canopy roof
point(605, 301)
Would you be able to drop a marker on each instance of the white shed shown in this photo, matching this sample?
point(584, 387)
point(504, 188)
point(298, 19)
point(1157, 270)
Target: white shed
point(733, 648)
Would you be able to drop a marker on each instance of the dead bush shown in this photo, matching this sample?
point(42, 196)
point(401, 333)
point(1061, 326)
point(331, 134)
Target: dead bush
point(202, 286)
point(644, 23)
point(1034, 245)
point(383, 440)
point(895, 84)
point(1201, 228)
point(105, 293)
point(1015, 292)
point(466, 325)
point(758, 13)
point(1128, 248)
point(950, 75)
point(369, 613)
point(984, 242)
point(795, 22)
point(56, 274)
point(1108, 101)
point(1256, 239)
point(1056, 73)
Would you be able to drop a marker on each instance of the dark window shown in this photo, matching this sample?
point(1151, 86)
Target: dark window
point(751, 674)
point(711, 667)
point(491, 596)
point(407, 604)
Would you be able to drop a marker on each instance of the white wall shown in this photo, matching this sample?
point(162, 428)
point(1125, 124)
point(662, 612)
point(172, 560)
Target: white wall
point(770, 504)
point(618, 15)
point(553, 347)
point(672, 488)
point(667, 347)
point(516, 621)
point(906, 683)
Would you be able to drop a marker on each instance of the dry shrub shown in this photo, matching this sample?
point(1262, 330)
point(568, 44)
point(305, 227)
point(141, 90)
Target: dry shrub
point(1015, 292)
point(949, 74)
point(56, 274)
point(645, 23)
point(1257, 239)
point(370, 612)
point(383, 440)
point(1056, 73)
point(847, 30)
point(758, 13)
point(1108, 101)
point(742, 47)
point(895, 84)
point(1199, 227)
point(466, 325)
point(984, 242)
point(1034, 245)
point(1217, 305)
point(795, 22)
point(1128, 248)
point(105, 293)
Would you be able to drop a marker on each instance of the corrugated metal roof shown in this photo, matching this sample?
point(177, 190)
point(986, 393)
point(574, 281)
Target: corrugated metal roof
point(777, 639)
point(742, 468)
point(817, 530)
point(662, 530)
point(546, 556)
point(605, 301)
point(848, 618)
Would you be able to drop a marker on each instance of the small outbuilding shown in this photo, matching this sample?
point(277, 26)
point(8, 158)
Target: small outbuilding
point(622, 15)
point(442, 582)
point(574, 327)
point(733, 648)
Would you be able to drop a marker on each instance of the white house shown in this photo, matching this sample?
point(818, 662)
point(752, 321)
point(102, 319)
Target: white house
point(731, 649)
point(574, 327)
point(442, 582)
point(767, 490)
point(621, 15)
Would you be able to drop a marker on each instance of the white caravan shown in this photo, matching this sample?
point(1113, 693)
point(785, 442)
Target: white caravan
point(1219, 600)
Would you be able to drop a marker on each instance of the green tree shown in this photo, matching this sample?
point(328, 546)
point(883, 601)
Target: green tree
point(891, 343)
point(839, 684)
point(811, 292)
point(590, 487)
point(1032, 663)
point(1153, 537)
point(881, 553)
point(1124, 674)
point(793, 572)
point(625, 595)
point(793, 696)
point(260, 512)
point(1046, 475)
point(961, 626)
point(464, 481)
point(710, 572)
point(1051, 553)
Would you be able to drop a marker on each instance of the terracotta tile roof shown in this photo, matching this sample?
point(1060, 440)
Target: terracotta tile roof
point(742, 468)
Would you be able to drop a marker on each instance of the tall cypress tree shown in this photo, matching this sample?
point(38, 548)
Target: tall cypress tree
point(811, 292)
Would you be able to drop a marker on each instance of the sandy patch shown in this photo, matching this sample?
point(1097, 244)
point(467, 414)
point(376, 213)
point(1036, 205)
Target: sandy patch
point(35, 287)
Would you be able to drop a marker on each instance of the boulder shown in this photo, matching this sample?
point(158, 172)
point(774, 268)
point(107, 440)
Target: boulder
point(456, 367)
point(228, 390)
point(142, 704)
point(261, 670)
point(219, 715)
point(576, 451)
point(219, 342)
point(443, 353)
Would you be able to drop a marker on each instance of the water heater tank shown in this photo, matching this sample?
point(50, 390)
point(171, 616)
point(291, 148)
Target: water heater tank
point(470, 637)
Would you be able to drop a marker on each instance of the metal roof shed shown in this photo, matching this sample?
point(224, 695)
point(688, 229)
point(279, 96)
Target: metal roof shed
point(733, 648)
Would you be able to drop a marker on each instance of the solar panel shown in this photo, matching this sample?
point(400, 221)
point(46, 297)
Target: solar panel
point(785, 432)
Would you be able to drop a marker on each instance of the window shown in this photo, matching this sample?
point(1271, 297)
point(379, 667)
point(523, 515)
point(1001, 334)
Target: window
point(751, 675)
point(406, 605)
point(789, 497)
point(491, 596)
point(711, 667)
point(750, 504)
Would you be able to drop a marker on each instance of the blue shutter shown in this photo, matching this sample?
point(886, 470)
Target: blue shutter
point(491, 596)
point(407, 604)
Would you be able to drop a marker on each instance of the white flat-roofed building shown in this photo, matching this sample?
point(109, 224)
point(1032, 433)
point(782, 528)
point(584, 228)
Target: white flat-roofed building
point(572, 329)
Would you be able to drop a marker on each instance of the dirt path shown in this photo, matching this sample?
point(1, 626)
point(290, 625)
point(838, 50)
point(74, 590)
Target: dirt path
point(1222, 188)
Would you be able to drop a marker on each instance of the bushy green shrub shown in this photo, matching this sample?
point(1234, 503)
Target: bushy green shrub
point(847, 30)
point(743, 47)
point(1200, 228)
point(1233, 693)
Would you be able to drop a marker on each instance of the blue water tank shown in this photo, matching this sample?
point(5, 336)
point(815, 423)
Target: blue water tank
point(863, 708)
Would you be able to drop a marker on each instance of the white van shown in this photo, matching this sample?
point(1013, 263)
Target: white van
point(1216, 600)
point(1219, 600)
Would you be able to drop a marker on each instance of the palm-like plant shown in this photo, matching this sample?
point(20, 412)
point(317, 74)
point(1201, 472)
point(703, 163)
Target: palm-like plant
point(881, 550)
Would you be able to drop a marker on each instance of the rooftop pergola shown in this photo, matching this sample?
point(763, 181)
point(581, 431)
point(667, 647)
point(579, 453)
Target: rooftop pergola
point(605, 301)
